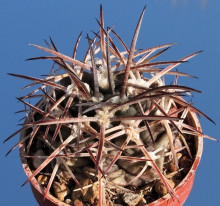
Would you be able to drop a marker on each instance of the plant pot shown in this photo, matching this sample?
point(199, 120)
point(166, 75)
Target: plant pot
point(182, 190)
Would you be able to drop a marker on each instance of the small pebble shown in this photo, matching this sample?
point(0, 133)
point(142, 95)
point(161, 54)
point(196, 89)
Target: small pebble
point(42, 179)
point(132, 199)
point(160, 188)
point(60, 190)
point(179, 155)
point(77, 203)
point(68, 201)
point(172, 167)
point(88, 194)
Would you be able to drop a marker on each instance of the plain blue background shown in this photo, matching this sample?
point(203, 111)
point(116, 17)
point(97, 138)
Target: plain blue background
point(194, 24)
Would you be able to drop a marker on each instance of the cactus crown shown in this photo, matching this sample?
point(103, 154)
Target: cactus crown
point(107, 123)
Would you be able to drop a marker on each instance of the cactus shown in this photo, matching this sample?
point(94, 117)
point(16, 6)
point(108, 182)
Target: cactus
point(108, 130)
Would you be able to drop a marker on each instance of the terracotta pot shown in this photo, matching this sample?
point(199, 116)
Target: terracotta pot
point(182, 190)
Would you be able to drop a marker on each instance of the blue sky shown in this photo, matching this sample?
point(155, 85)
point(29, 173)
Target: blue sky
point(193, 24)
